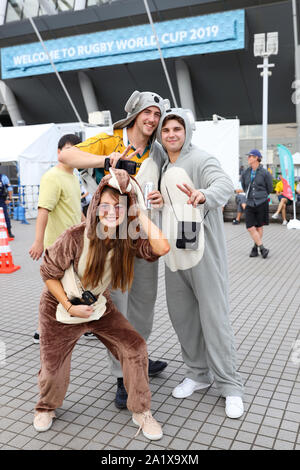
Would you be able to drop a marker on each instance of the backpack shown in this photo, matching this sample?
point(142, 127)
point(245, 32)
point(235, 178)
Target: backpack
point(3, 189)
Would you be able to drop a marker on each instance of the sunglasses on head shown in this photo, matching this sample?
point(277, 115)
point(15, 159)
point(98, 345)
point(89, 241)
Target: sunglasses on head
point(105, 208)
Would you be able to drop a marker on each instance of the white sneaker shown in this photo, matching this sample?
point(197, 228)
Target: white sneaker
point(188, 387)
point(234, 407)
point(275, 216)
point(150, 427)
point(284, 222)
point(43, 420)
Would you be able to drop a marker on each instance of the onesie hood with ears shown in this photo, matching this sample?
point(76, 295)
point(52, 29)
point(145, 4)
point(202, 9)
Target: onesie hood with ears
point(188, 117)
point(125, 184)
point(139, 101)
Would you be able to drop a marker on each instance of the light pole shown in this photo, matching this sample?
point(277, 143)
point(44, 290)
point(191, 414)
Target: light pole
point(264, 49)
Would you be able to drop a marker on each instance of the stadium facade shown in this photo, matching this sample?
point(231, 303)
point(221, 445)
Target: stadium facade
point(105, 49)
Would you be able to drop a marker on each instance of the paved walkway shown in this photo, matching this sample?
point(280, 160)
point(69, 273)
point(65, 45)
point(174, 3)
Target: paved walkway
point(265, 303)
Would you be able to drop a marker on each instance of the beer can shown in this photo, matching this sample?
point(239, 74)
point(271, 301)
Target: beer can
point(148, 188)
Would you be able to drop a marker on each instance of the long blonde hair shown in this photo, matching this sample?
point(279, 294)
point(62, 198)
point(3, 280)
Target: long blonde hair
point(122, 261)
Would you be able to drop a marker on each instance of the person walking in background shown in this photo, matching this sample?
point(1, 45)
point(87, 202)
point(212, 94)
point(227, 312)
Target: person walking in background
point(284, 202)
point(6, 194)
point(240, 200)
point(86, 198)
point(257, 183)
point(298, 191)
point(59, 204)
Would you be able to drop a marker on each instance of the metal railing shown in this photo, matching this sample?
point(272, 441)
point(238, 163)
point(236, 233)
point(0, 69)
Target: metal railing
point(25, 202)
point(21, 9)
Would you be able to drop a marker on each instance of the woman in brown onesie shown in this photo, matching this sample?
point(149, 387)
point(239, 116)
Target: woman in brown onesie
point(96, 254)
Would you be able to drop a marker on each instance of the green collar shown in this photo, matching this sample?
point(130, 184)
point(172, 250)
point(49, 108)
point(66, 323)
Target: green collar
point(146, 149)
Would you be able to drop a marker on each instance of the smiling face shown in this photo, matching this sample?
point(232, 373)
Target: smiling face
point(112, 208)
point(173, 136)
point(147, 120)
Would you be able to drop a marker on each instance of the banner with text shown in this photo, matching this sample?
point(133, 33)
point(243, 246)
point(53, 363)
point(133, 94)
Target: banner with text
point(287, 171)
point(188, 36)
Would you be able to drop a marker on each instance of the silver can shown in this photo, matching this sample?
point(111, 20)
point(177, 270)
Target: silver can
point(148, 188)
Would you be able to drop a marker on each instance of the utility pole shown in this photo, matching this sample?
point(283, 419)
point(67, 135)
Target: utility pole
point(264, 49)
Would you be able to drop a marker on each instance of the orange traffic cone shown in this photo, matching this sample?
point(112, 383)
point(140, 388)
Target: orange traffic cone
point(6, 262)
point(3, 223)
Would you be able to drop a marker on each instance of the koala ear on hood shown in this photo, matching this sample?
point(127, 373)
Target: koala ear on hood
point(166, 104)
point(132, 102)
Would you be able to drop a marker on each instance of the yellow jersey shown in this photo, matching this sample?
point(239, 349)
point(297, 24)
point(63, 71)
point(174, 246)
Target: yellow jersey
point(105, 144)
point(279, 187)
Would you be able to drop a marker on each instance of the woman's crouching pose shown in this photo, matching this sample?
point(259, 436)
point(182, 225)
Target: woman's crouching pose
point(78, 268)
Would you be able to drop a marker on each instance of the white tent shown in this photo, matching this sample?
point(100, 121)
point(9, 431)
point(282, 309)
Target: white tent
point(34, 148)
point(296, 159)
point(221, 139)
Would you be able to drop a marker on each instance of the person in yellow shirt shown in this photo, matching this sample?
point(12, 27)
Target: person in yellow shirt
point(283, 202)
point(132, 138)
point(59, 204)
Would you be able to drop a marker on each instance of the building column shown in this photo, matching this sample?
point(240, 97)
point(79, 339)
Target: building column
point(3, 5)
point(88, 93)
point(80, 4)
point(297, 73)
point(8, 98)
point(185, 86)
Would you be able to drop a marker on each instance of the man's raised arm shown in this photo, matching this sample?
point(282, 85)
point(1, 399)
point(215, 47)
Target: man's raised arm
point(76, 158)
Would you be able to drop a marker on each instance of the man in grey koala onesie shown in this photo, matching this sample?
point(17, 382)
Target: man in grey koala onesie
point(194, 188)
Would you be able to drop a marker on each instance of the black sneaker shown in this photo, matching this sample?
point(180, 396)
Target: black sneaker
point(36, 338)
point(235, 222)
point(11, 235)
point(254, 252)
point(121, 395)
point(264, 252)
point(155, 367)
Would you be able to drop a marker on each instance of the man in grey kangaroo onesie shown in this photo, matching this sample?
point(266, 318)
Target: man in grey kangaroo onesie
point(194, 188)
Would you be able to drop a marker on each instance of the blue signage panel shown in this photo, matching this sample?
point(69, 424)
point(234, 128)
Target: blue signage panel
point(182, 37)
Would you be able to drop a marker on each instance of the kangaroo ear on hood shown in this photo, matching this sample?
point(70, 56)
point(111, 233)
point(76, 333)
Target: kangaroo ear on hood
point(122, 182)
point(114, 183)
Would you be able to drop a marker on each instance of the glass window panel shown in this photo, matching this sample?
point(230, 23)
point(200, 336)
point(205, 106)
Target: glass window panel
point(45, 11)
point(90, 3)
point(14, 10)
point(31, 8)
point(64, 5)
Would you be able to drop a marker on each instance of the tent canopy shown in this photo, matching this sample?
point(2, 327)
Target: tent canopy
point(34, 148)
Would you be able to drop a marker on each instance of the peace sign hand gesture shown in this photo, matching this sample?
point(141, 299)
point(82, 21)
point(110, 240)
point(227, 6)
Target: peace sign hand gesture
point(195, 196)
point(114, 157)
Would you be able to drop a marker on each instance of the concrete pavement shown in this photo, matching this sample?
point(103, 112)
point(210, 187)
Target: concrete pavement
point(265, 314)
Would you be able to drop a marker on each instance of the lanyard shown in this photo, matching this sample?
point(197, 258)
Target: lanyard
point(175, 212)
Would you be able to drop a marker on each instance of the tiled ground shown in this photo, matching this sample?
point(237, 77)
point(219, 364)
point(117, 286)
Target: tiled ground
point(265, 303)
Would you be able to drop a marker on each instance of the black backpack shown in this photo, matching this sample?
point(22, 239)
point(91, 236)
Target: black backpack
point(3, 189)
